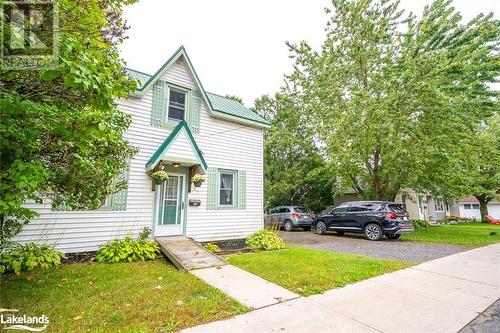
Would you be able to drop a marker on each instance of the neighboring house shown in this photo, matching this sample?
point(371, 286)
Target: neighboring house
point(419, 206)
point(469, 207)
point(424, 206)
point(178, 125)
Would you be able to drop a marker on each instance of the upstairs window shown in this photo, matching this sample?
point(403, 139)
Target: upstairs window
point(176, 105)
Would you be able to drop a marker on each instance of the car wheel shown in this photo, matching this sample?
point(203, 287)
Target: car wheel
point(340, 233)
point(393, 236)
point(288, 226)
point(321, 228)
point(306, 228)
point(373, 232)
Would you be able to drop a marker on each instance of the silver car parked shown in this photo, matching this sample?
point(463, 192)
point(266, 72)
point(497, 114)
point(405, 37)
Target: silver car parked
point(290, 217)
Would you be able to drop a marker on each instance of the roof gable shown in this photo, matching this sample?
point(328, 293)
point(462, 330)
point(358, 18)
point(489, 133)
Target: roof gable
point(218, 106)
point(169, 143)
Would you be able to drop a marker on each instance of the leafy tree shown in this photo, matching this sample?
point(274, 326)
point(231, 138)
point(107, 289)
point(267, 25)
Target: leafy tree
point(397, 100)
point(235, 98)
point(482, 172)
point(294, 171)
point(61, 134)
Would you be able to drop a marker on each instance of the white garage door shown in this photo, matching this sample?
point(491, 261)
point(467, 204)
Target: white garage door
point(494, 210)
point(472, 210)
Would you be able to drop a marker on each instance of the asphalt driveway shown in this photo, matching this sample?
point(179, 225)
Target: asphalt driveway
point(385, 249)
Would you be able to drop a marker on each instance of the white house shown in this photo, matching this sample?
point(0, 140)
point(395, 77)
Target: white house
point(178, 125)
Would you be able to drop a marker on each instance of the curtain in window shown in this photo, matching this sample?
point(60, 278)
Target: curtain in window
point(226, 189)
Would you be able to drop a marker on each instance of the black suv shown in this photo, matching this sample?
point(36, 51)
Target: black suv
point(373, 218)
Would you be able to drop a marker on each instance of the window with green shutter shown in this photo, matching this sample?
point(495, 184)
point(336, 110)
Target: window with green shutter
point(115, 202)
point(172, 103)
point(226, 189)
point(118, 200)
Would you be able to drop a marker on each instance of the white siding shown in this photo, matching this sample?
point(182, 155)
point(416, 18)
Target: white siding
point(224, 144)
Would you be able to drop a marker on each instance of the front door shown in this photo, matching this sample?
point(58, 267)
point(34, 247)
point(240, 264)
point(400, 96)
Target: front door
point(421, 213)
point(169, 217)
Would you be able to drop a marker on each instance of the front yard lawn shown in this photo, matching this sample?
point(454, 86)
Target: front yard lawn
point(308, 271)
point(468, 234)
point(130, 297)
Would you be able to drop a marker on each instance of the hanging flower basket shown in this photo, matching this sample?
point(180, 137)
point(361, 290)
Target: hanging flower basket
point(159, 177)
point(198, 180)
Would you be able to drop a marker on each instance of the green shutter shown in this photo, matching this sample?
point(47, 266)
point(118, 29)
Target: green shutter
point(159, 105)
point(212, 189)
point(118, 201)
point(242, 189)
point(194, 112)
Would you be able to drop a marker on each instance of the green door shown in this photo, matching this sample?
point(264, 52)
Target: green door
point(171, 205)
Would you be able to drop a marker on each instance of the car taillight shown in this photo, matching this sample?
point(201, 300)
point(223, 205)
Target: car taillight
point(295, 214)
point(391, 215)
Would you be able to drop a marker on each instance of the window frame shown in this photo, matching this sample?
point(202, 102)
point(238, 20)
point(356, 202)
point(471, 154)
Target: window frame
point(171, 123)
point(234, 173)
point(181, 91)
point(439, 204)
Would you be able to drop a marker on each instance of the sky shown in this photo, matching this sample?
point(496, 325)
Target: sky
point(238, 47)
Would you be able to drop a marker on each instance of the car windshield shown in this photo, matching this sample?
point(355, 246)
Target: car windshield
point(396, 209)
point(300, 210)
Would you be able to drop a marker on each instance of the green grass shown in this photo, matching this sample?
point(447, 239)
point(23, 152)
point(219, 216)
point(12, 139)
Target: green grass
point(468, 234)
point(308, 271)
point(129, 297)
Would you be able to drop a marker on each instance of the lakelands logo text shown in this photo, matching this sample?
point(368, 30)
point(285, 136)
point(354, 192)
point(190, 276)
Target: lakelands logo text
point(11, 321)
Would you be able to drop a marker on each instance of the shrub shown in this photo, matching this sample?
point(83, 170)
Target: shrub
point(23, 258)
point(127, 250)
point(212, 247)
point(418, 224)
point(145, 233)
point(265, 239)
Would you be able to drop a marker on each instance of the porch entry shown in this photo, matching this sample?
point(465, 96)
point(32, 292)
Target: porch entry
point(170, 206)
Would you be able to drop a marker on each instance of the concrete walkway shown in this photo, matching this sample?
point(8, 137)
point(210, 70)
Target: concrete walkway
point(442, 295)
point(248, 289)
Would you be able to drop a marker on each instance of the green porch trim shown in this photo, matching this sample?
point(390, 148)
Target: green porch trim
point(155, 158)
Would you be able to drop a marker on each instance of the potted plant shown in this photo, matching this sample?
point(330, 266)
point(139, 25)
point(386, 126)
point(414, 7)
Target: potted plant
point(198, 180)
point(159, 177)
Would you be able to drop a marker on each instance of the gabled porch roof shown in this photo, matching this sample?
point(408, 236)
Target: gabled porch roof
point(162, 153)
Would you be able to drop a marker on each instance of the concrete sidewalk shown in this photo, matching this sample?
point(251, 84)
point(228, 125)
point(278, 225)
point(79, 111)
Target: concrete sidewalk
point(248, 289)
point(442, 295)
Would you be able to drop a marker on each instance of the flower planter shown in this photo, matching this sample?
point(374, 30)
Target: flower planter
point(158, 181)
point(197, 184)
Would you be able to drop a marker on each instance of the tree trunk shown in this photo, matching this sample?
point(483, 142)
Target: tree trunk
point(483, 206)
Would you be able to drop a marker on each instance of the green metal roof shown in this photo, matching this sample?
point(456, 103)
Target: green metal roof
point(218, 103)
